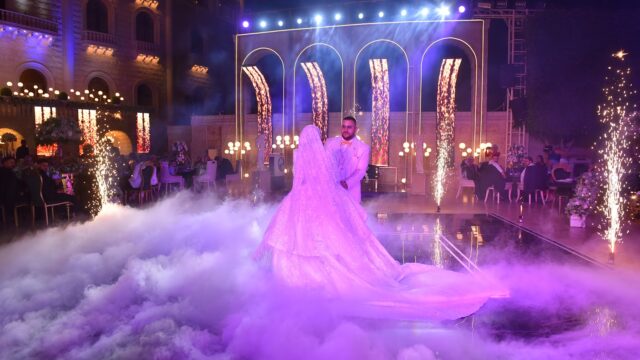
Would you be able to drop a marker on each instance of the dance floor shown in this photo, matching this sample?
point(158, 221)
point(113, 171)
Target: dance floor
point(469, 242)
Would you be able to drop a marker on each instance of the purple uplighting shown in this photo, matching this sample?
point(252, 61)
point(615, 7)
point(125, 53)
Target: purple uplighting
point(341, 180)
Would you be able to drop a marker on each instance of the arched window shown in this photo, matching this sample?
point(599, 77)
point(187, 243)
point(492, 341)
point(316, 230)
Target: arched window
point(31, 77)
point(197, 43)
point(97, 16)
point(144, 27)
point(99, 84)
point(144, 95)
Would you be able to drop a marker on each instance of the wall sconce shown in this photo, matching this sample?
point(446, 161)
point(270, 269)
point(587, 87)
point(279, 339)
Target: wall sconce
point(99, 50)
point(199, 69)
point(147, 59)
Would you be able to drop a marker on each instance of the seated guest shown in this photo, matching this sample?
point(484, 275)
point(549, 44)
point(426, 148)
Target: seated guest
point(50, 191)
point(528, 178)
point(12, 190)
point(224, 168)
point(22, 150)
point(561, 172)
point(542, 173)
point(469, 169)
point(491, 174)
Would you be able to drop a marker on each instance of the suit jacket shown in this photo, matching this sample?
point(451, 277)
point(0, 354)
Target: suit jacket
point(351, 162)
point(531, 179)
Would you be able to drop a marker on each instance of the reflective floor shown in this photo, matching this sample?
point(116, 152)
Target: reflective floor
point(469, 242)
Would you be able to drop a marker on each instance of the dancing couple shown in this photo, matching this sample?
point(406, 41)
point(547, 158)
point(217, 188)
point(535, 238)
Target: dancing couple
point(318, 240)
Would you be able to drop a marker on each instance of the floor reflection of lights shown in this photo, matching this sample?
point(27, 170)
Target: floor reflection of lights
point(462, 242)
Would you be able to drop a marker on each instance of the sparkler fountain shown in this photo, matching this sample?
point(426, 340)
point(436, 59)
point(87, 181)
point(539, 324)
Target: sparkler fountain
point(615, 113)
point(445, 125)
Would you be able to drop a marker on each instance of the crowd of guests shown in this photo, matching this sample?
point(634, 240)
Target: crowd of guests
point(24, 181)
point(549, 169)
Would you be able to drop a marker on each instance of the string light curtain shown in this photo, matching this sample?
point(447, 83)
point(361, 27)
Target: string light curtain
point(445, 121)
point(380, 112)
point(263, 99)
point(88, 126)
point(319, 106)
point(143, 124)
point(43, 113)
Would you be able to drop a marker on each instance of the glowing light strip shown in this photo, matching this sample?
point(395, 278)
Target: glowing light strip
point(380, 112)
point(263, 99)
point(143, 133)
point(445, 122)
point(330, 27)
point(319, 107)
point(341, 80)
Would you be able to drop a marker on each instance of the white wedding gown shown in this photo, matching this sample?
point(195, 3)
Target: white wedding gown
point(319, 240)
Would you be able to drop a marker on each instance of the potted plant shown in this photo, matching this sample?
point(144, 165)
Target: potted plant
point(8, 139)
point(583, 202)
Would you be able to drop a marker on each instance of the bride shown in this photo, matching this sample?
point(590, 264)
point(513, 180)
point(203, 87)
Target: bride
point(319, 240)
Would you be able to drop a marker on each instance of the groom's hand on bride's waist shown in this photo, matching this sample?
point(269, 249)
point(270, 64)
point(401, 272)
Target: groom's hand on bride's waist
point(344, 185)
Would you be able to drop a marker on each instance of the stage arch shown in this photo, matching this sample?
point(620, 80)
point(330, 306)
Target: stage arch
point(121, 141)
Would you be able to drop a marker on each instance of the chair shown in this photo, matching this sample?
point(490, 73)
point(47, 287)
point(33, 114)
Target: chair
point(167, 180)
point(145, 193)
point(209, 176)
point(34, 183)
point(464, 183)
point(496, 194)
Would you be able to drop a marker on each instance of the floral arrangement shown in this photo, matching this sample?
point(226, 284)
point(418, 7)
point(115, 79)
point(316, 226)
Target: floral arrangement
point(9, 138)
point(515, 154)
point(57, 130)
point(584, 200)
point(180, 149)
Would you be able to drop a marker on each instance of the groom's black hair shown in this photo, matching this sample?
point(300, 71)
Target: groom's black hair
point(349, 117)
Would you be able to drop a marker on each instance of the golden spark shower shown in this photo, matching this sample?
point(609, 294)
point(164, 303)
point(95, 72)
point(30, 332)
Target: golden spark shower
point(263, 98)
point(380, 111)
point(319, 106)
point(445, 121)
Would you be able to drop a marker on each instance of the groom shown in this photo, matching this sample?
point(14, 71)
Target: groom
point(351, 157)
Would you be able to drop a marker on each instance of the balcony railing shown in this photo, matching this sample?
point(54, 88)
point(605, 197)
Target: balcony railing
point(147, 47)
point(99, 37)
point(28, 21)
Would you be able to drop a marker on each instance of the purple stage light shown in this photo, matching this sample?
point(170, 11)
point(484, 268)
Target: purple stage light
point(461, 9)
point(245, 24)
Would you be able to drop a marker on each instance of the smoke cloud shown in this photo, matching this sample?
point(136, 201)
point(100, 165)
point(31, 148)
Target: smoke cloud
point(176, 281)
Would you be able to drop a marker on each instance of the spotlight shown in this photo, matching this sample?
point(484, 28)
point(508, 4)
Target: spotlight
point(360, 16)
point(461, 9)
point(299, 21)
point(403, 12)
point(381, 14)
point(337, 16)
point(245, 24)
point(424, 11)
point(318, 19)
point(263, 24)
point(280, 23)
point(443, 11)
